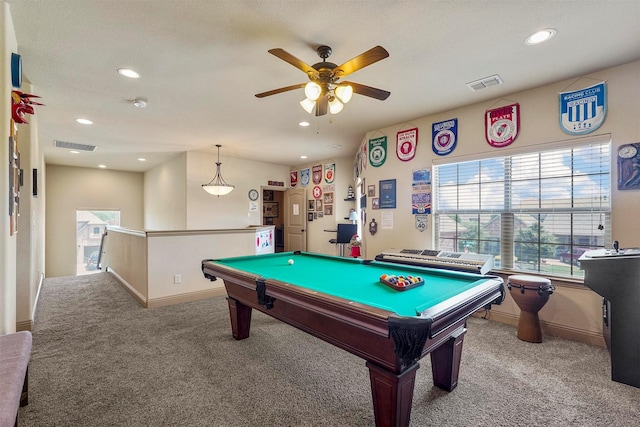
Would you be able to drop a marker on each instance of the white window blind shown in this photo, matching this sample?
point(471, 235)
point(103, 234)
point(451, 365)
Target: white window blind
point(536, 211)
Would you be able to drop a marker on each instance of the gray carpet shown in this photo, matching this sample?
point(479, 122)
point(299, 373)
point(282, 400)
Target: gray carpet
point(99, 359)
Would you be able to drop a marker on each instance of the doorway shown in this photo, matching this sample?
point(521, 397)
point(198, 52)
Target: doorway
point(90, 227)
point(273, 213)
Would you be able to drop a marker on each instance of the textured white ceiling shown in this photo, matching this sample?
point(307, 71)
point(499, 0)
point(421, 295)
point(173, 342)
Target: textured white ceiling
point(201, 63)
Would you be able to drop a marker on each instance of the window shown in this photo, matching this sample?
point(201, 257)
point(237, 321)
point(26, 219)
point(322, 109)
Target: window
point(90, 225)
point(535, 212)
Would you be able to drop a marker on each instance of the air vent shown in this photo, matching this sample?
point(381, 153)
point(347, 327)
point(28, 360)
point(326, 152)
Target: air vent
point(74, 146)
point(485, 83)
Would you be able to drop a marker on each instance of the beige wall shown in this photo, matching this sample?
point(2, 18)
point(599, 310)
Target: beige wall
point(205, 211)
point(165, 201)
point(8, 44)
point(317, 237)
point(68, 189)
point(30, 244)
point(72, 188)
point(162, 191)
point(538, 127)
point(572, 311)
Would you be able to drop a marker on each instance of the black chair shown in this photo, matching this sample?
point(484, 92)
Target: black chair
point(345, 233)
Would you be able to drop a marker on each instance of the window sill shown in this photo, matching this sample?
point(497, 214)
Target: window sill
point(566, 282)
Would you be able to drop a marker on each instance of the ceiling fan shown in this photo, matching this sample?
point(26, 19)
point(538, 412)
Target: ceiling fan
point(324, 91)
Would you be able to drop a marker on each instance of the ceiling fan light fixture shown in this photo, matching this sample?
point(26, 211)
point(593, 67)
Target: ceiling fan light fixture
point(312, 91)
point(218, 186)
point(344, 93)
point(308, 105)
point(335, 106)
point(323, 92)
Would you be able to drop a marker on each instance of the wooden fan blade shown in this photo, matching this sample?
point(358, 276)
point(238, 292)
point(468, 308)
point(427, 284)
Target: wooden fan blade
point(369, 91)
point(367, 58)
point(282, 89)
point(296, 62)
point(322, 105)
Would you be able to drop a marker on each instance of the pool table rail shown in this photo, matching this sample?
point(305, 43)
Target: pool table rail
point(464, 304)
point(391, 344)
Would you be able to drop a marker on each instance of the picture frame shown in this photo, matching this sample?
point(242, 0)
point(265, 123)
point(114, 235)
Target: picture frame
point(371, 191)
point(310, 216)
point(267, 195)
point(328, 210)
point(375, 203)
point(318, 205)
point(270, 209)
point(387, 194)
point(15, 179)
point(328, 198)
point(312, 205)
point(363, 202)
point(34, 181)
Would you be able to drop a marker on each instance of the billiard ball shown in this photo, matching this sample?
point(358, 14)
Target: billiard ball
point(290, 262)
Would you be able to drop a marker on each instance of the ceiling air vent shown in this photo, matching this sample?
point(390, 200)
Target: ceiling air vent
point(73, 146)
point(485, 83)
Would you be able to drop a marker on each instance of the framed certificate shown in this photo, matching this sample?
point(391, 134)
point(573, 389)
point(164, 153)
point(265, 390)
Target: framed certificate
point(388, 194)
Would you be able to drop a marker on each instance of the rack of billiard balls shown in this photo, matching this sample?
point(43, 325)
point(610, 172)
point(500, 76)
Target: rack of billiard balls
point(401, 283)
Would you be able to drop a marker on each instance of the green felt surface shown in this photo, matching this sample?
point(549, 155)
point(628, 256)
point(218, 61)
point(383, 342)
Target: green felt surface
point(353, 280)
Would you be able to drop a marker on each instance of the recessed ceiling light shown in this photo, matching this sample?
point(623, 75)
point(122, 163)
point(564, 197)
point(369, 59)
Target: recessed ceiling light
point(304, 124)
point(540, 36)
point(128, 73)
point(303, 157)
point(142, 159)
point(140, 102)
point(74, 152)
point(84, 121)
point(102, 166)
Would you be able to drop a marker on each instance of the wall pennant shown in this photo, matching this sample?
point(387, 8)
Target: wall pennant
point(406, 144)
point(583, 111)
point(305, 177)
point(293, 179)
point(316, 173)
point(445, 136)
point(502, 125)
point(378, 151)
point(329, 172)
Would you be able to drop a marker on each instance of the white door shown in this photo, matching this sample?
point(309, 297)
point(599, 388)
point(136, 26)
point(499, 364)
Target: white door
point(295, 233)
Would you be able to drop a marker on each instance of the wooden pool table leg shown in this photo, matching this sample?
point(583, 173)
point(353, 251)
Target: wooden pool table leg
point(392, 395)
point(240, 319)
point(445, 361)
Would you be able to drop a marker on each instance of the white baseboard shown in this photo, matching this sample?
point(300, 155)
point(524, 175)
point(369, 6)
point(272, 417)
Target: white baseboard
point(553, 329)
point(133, 291)
point(169, 300)
point(28, 325)
point(191, 296)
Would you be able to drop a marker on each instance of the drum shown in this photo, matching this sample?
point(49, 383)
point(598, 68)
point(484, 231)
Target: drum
point(530, 293)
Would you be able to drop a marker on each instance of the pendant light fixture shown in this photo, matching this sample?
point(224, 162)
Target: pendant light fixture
point(218, 186)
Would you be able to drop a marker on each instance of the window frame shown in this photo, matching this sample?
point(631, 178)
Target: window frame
point(507, 241)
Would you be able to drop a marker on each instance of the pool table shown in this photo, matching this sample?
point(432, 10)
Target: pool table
point(342, 301)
